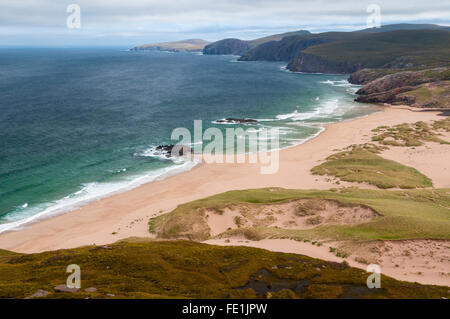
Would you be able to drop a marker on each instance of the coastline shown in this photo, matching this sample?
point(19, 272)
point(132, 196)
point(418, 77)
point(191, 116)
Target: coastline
point(71, 203)
point(126, 214)
point(159, 196)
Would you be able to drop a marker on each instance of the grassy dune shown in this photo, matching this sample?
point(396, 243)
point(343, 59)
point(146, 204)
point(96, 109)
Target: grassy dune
point(409, 214)
point(415, 134)
point(143, 269)
point(362, 164)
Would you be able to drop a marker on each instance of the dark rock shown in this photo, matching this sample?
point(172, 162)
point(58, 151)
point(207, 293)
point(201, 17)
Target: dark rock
point(310, 63)
point(174, 150)
point(237, 121)
point(390, 97)
point(393, 88)
point(64, 288)
point(401, 62)
point(38, 294)
point(283, 50)
point(100, 247)
point(393, 81)
point(20, 259)
point(265, 282)
point(365, 76)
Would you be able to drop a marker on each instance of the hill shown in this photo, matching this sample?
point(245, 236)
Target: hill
point(227, 47)
point(288, 48)
point(406, 26)
point(420, 48)
point(285, 46)
point(239, 47)
point(147, 269)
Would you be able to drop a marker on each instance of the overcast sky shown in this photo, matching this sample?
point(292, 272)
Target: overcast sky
point(132, 22)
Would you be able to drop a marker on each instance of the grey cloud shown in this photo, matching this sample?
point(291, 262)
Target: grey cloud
point(154, 20)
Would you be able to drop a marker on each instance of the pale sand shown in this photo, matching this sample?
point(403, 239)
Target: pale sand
point(422, 261)
point(126, 214)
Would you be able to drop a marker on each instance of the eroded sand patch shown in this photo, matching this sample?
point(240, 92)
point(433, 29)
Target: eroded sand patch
point(296, 215)
point(421, 260)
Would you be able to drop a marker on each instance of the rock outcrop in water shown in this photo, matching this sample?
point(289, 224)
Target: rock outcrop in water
point(237, 121)
point(173, 150)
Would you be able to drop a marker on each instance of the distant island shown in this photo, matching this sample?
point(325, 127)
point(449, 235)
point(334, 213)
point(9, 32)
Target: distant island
point(189, 45)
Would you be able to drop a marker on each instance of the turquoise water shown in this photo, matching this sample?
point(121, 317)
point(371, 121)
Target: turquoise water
point(78, 124)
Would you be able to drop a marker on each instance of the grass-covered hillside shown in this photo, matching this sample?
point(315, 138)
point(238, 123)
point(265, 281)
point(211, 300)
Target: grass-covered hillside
point(181, 269)
point(360, 163)
point(422, 47)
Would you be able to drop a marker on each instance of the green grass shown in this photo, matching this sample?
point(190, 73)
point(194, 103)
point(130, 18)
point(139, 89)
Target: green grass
point(424, 47)
point(442, 124)
point(438, 76)
point(408, 214)
point(433, 95)
point(4, 253)
point(361, 164)
point(415, 134)
point(190, 270)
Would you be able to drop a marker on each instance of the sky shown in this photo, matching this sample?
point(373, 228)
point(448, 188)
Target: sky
point(132, 22)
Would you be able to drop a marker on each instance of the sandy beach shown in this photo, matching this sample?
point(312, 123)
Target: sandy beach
point(126, 214)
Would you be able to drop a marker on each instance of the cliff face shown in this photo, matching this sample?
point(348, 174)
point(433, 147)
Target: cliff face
point(283, 50)
point(309, 63)
point(227, 46)
point(365, 76)
point(345, 52)
point(392, 81)
point(425, 88)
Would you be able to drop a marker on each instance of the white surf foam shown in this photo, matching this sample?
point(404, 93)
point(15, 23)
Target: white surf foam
point(340, 83)
point(89, 193)
point(325, 109)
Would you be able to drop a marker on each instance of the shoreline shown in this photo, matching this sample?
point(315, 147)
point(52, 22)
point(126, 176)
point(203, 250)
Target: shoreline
point(126, 214)
point(58, 208)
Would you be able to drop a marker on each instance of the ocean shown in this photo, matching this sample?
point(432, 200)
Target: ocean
point(80, 124)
